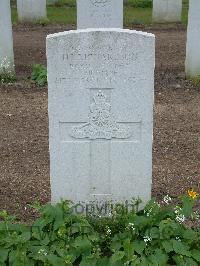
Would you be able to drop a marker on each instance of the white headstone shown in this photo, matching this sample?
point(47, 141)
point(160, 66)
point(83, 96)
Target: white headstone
point(6, 39)
point(193, 40)
point(101, 87)
point(31, 10)
point(167, 10)
point(99, 14)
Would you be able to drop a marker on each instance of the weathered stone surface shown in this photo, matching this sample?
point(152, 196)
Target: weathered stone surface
point(101, 85)
point(193, 40)
point(99, 14)
point(6, 39)
point(31, 10)
point(167, 10)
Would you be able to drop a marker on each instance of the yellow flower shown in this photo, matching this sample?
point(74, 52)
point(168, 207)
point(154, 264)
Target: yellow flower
point(193, 194)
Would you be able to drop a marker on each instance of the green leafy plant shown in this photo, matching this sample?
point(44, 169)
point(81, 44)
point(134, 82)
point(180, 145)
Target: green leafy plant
point(155, 235)
point(7, 71)
point(39, 74)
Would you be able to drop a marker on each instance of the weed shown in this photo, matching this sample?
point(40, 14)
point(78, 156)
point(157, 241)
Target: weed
point(39, 74)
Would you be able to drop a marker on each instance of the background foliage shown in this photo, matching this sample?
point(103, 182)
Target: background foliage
point(155, 236)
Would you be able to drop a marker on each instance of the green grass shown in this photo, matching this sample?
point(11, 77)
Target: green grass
point(65, 12)
point(66, 15)
point(137, 16)
point(14, 15)
point(185, 15)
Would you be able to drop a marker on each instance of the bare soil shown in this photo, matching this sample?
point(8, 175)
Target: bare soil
point(24, 156)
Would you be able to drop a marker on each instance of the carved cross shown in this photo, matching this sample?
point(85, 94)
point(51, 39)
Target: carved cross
point(100, 132)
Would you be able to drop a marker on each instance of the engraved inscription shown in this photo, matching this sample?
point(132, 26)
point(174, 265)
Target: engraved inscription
point(124, 58)
point(102, 124)
point(80, 67)
point(99, 2)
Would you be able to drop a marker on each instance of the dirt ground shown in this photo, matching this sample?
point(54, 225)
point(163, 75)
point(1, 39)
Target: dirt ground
point(24, 156)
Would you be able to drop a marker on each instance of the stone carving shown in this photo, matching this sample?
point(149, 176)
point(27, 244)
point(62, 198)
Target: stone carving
point(99, 14)
point(101, 123)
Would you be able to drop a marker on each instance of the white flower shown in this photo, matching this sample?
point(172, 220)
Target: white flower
point(158, 204)
point(178, 238)
point(147, 239)
point(195, 215)
point(131, 226)
point(114, 213)
point(108, 231)
point(148, 212)
point(167, 199)
point(177, 209)
point(42, 252)
point(5, 64)
point(180, 218)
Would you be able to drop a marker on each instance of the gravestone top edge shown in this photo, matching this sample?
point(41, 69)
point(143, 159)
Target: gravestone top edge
point(90, 30)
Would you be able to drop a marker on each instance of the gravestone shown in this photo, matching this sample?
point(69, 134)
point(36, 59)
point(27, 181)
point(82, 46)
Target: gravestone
point(193, 40)
point(167, 10)
point(101, 85)
point(31, 10)
point(6, 39)
point(99, 14)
